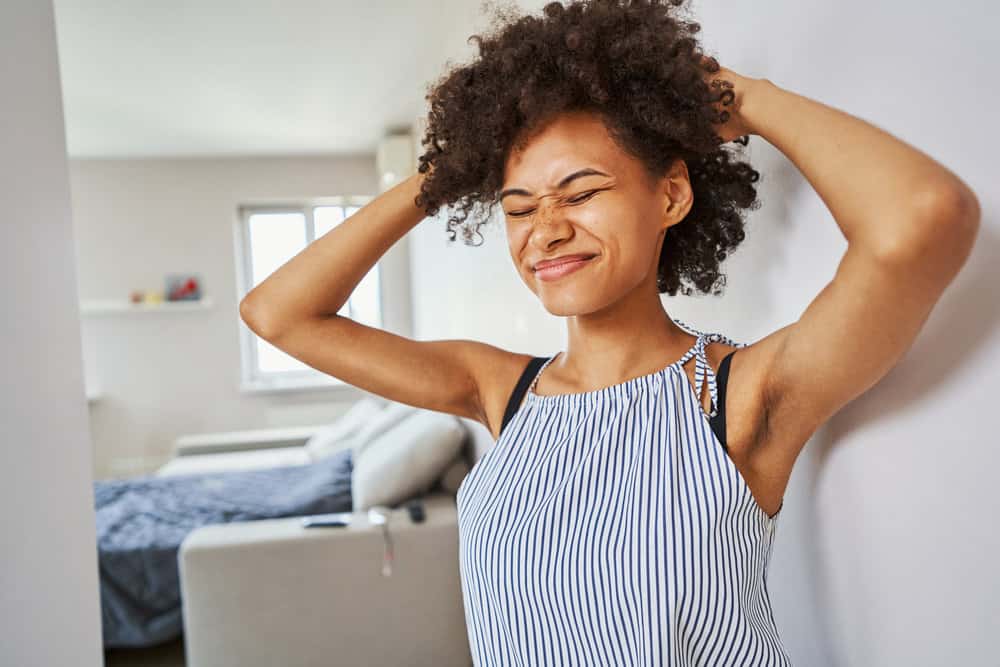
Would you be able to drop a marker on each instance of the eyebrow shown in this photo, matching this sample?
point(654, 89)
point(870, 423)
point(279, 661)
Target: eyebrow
point(562, 184)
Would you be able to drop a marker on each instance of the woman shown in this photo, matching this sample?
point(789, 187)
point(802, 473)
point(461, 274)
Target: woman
point(626, 513)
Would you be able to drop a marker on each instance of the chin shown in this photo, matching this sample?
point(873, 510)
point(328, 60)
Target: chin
point(570, 302)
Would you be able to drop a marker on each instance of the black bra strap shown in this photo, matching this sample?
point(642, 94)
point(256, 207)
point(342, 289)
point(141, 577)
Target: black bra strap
point(718, 422)
point(522, 386)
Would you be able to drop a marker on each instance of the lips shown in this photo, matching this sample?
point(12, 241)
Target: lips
point(554, 270)
point(545, 263)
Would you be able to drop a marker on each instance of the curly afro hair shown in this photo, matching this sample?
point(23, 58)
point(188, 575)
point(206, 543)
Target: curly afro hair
point(639, 67)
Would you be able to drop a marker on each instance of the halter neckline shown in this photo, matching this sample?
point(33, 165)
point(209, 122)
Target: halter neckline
point(703, 372)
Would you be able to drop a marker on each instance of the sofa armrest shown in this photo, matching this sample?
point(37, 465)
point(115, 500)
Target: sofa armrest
point(275, 593)
point(236, 441)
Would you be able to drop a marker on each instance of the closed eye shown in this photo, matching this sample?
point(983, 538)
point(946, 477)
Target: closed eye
point(575, 200)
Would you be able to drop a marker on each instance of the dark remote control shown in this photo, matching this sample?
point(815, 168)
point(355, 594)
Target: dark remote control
point(333, 520)
point(416, 510)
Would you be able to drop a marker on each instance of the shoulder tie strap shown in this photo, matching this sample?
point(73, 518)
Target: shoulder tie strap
point(702, 369)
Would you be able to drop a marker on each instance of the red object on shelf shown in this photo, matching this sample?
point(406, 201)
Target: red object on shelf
point(187, 288)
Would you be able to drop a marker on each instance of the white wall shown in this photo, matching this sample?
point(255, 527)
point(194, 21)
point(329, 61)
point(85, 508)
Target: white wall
point(49, 612)
point(162, 375)
point(887, 543)
point(891, 525)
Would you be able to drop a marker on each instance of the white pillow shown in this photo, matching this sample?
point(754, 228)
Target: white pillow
point(453, 475)
point(381, 422)
point(406, 460)
point(337, 436)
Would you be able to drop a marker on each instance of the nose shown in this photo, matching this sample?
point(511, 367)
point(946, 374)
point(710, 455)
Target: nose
point(551, 224)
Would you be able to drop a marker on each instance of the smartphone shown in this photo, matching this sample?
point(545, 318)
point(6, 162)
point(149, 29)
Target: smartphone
point(335, 520)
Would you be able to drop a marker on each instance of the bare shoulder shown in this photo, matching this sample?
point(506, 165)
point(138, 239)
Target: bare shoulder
point(747, 396)
point(496, 373)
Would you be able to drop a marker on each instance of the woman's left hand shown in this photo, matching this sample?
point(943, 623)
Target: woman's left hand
point(733, 88)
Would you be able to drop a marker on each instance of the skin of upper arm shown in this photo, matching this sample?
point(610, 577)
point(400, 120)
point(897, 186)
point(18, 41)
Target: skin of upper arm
point(852, 333)
point(441, 375)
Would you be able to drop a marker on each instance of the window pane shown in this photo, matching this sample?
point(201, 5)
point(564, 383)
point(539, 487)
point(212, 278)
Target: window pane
point(365, 300)
point(366, 306)
point(359, 305)
point(326, 218)
point(272, 360)
point(274, 239)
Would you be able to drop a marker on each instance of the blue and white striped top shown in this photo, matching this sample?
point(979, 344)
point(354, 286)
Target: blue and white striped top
point(610, 527)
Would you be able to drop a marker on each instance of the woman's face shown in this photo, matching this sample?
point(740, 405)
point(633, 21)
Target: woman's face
point(609, 210)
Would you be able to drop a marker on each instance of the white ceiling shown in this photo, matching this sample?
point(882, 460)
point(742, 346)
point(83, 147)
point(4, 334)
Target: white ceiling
point(228, 77)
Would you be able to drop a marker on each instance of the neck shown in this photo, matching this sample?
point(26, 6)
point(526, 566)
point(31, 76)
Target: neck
point(623, 341)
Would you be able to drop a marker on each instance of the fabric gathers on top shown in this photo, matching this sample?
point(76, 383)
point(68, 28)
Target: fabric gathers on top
point(611, 527)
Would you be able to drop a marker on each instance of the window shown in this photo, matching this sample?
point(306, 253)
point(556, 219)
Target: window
point(269, 237)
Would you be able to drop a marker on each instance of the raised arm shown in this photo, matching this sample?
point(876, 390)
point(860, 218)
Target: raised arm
point(910, 224)
point(295, 309)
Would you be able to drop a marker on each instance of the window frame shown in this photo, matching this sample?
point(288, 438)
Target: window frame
point(310, 379)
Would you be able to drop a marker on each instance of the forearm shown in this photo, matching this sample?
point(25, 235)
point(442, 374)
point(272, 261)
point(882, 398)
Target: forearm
point(318, 281)
point(881, 191)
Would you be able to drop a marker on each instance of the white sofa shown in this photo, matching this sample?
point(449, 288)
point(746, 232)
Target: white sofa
point(275, 593)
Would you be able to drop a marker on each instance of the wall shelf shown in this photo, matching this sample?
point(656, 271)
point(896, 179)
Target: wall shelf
point(115, 306)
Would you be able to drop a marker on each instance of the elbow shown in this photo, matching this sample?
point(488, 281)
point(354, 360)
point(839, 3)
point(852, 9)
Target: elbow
point(952, 204)
point(944, 226)
point(255, 319)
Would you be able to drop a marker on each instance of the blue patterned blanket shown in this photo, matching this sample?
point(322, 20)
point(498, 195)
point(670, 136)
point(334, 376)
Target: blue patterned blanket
point(141, 523)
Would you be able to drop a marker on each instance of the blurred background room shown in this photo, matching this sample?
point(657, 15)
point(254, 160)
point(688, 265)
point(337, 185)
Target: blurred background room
point(161, 159)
